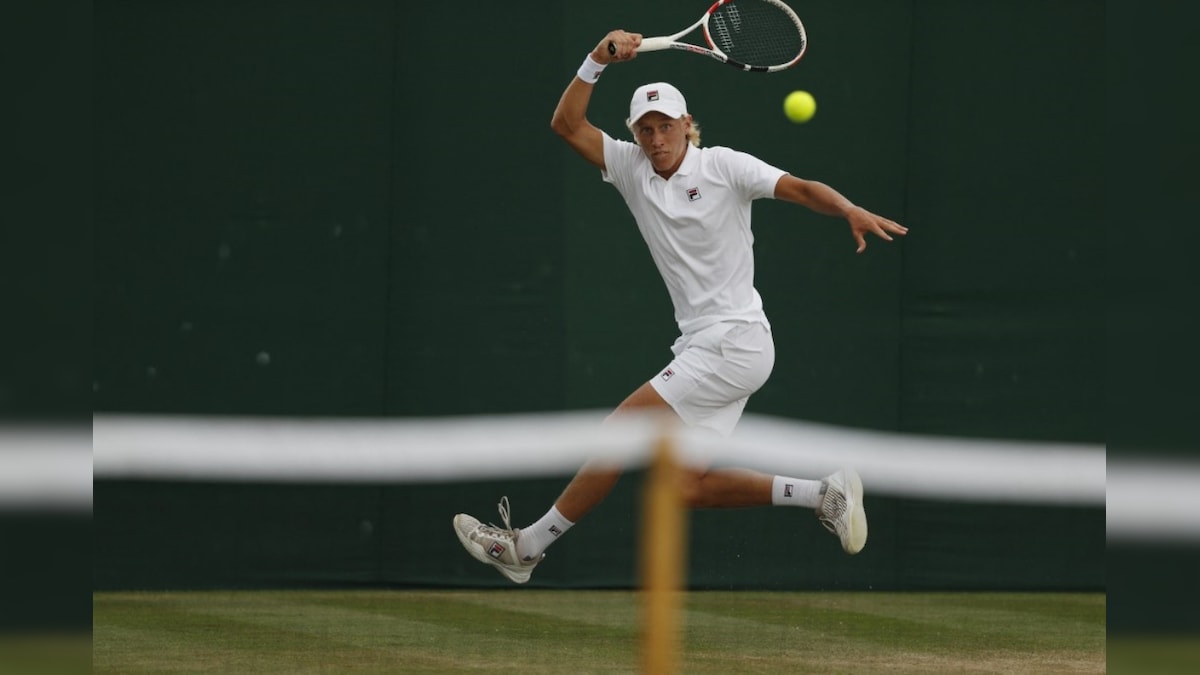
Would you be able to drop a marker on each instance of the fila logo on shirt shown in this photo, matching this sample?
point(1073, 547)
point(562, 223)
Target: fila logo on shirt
point(693, 194)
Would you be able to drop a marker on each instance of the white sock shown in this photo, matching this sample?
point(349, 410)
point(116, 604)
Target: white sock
point(795, 492)
point(537, 537)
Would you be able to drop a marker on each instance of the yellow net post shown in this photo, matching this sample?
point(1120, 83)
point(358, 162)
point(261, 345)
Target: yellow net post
point(663, 562)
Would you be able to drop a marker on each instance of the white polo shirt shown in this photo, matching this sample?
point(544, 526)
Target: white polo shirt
point(697, 226)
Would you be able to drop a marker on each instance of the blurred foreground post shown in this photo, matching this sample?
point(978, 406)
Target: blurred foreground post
point(663, 561)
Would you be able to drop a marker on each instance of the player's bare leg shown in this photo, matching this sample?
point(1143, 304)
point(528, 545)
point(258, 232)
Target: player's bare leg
point(515, 552)
point(597, 478)
point(717, 488)
point(726, 488)
point(837, 500)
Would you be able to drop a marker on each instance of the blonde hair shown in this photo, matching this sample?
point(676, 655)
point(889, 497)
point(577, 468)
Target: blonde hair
point(693, 134)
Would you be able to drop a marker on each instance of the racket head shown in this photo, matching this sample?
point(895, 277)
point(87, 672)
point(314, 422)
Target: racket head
point(755, 35)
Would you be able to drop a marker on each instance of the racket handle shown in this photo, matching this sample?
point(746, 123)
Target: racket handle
point(654, 44)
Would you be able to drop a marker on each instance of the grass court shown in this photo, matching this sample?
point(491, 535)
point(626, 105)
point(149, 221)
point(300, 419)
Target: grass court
point(570, 631)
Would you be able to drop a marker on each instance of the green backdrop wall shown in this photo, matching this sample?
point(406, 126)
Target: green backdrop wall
point(319, 208)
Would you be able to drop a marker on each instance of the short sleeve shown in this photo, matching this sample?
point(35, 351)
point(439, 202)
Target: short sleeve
point(749, 175)
point(619, 160)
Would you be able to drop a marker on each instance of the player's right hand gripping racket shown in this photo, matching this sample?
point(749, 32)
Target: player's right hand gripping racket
point(762, 36)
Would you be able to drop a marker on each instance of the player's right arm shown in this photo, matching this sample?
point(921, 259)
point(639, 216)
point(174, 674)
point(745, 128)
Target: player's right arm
point(570, 117)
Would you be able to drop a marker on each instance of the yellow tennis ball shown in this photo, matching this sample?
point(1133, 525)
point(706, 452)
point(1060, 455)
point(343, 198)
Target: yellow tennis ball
point(799, 106)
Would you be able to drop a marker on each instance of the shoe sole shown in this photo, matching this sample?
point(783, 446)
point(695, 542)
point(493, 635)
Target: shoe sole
point(478, 553)
point(858, 514)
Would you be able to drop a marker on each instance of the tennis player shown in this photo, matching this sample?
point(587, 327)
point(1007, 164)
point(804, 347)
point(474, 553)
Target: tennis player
point(692, 206)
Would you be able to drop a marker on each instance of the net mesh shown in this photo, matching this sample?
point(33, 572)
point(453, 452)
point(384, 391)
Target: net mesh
point(756, 33)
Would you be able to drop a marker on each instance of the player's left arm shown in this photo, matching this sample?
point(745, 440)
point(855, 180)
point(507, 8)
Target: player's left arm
point(823, 199)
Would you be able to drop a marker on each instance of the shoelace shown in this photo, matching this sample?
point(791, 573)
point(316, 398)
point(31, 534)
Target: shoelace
point(502, 507)
point(505, 532)
point(833, 505)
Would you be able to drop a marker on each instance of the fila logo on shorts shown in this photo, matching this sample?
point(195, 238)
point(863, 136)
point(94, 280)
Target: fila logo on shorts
point(496, 550)
point(667, 374)
point(693, 194)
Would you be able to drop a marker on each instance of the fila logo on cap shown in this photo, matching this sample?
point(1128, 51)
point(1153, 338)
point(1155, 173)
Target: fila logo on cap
point(652, 95)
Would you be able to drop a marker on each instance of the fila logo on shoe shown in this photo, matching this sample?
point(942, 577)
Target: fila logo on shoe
point(496, 550)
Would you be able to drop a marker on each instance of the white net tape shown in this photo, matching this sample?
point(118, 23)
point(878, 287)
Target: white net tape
point(531, 445)
point(1145, 500)
point(45, 466)
point(1156, 501)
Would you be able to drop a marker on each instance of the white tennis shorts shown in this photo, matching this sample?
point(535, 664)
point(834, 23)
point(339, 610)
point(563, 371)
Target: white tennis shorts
point(714, 372)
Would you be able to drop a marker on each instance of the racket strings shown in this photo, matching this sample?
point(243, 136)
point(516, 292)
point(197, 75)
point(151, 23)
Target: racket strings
point(756, 33)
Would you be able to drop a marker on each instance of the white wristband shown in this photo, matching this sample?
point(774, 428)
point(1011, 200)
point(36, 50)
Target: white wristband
point(589, 70)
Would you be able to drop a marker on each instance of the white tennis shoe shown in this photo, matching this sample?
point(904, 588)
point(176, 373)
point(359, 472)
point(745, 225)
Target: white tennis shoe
point(496, 546)
point(841, 510)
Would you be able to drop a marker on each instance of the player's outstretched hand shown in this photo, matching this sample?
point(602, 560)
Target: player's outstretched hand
point(863, 221)
point(618, 45)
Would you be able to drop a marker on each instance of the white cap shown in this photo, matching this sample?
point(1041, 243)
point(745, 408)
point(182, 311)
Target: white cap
point(656, 96)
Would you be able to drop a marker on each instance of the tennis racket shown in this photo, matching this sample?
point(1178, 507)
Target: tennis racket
point(762, 36)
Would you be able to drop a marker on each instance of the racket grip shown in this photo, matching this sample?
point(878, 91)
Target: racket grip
point(654, 44)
